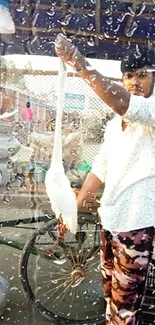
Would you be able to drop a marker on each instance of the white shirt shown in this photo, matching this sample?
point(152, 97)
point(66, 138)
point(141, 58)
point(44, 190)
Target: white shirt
point(126, 163)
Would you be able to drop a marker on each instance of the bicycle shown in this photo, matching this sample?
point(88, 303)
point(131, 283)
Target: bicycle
point(70, 267)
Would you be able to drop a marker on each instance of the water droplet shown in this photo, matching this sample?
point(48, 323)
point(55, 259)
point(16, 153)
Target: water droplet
point(109, 21)
point(23, 20)
point(114, 92)
point(91, 14)
point(55, 281)
point(91, 41)
point(77, 20)
point(106, 35)
point(94, 303)
point(107, 11)
point(13, 288)
point(51, 13)
point(8, 309)
point(121, 18)
point(66, 20)
point(132, 30)
point(101, 37)
point(60, 262)
point(90, 27)
point(39, 288)
point(117, 28)
point(142, 9)
point(12, 277)
point(20, 9)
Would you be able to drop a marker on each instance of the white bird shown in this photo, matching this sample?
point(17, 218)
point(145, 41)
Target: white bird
point(59, 191)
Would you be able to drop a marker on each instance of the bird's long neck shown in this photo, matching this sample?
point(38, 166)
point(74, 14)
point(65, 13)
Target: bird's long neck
point(57, 150)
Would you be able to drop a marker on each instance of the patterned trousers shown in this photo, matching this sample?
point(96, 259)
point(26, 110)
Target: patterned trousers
point(125, 261)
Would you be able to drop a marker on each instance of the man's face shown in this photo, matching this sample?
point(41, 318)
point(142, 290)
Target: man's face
point(139, 82)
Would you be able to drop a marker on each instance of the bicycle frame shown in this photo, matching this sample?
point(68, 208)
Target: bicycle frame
point(19, 223)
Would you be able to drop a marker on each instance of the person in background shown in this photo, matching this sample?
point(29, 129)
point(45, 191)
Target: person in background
point(126, 164)
point(28, 122)
point(28, 113)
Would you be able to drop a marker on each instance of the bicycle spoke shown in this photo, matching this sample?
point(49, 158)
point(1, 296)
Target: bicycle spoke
point(71, 254)
point(92, 257)
point(56, 289)
point(48, 262)
point(91, 265)
point(87, 251)
point(51, 273)
point(65, 291)
point(66, 274)
point(73, 295)
point(62, 278)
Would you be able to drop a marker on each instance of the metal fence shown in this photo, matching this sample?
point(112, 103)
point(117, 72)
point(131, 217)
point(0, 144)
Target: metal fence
point(84, 112)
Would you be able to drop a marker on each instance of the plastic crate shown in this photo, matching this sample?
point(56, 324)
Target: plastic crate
point(149, 300)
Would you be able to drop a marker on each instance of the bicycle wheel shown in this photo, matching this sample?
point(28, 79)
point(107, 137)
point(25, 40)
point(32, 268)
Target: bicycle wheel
point(62, 277)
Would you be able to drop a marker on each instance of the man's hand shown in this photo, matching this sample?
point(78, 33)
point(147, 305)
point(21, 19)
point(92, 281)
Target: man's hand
point(66, 51)
point(88, 190)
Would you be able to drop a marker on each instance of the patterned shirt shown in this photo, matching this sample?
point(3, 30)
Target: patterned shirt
point(126, 163)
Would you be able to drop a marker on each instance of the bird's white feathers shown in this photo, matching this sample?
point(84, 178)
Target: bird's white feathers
point(62, 197)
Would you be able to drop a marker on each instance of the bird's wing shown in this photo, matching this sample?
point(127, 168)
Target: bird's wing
point(62, 198)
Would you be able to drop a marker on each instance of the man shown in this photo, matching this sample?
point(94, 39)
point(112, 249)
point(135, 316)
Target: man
point(126, 163)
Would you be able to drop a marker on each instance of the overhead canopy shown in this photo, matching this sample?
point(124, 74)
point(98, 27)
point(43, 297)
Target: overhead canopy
point(100, 28)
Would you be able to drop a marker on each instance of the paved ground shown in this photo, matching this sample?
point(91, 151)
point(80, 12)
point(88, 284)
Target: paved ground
point(18, 311)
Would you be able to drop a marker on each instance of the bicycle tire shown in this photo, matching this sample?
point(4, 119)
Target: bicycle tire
point(23, 263)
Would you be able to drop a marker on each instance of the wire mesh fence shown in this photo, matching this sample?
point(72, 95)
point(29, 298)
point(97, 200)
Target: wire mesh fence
point(83, 124)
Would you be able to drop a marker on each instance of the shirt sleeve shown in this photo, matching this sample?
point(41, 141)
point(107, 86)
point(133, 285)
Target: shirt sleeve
point(141, 110)
point(99, 167)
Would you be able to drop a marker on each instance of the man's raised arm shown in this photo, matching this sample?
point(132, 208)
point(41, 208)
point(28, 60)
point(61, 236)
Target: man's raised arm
point(110, 93)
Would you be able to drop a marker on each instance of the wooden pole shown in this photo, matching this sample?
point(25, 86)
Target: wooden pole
point(97, 20)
